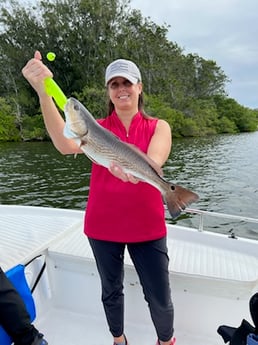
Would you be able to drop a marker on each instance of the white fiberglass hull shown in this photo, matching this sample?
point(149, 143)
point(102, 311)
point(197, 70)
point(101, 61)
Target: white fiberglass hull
point(212, 279)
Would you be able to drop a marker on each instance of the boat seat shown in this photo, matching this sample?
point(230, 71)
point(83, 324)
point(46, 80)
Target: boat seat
point(201, 267)
point(17, 277)
point(199, 259)
point(190, 261)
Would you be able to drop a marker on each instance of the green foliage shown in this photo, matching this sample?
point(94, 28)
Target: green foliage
point(225, 125)
point(33, 128)
point(8, 128)
point(186, 90)
point(244, 119)
point(156, 107)
point(191, 128)
point(95, 100)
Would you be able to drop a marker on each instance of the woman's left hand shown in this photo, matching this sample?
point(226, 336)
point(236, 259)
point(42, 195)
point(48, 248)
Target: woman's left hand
point(118, 172)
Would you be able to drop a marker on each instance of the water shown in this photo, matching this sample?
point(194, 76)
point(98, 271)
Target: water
point(221, 169)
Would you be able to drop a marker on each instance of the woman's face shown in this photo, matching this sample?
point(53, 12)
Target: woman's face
point(123, 94)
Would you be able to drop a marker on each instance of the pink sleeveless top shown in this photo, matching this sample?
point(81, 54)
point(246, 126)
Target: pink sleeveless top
point(120, 211)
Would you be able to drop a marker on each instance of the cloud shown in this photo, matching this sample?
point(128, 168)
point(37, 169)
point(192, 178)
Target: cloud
point(223, 31)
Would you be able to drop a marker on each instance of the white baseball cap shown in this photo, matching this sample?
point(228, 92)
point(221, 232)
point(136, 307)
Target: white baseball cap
point(123, 68)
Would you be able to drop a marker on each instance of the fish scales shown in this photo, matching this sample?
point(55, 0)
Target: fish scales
point(121, 154)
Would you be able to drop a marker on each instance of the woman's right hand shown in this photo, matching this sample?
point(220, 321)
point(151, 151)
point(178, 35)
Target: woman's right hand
point(35, 72)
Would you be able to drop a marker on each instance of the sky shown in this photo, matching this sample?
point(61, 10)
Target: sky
point(225, 31)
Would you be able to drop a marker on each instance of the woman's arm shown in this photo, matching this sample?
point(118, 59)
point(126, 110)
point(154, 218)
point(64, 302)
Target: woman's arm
point(160, 144)
point(35, 72)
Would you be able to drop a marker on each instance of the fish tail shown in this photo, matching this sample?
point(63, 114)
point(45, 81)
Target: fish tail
point(178, 198)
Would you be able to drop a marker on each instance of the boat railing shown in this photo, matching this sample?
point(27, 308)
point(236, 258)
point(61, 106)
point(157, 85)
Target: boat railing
point(202, 214)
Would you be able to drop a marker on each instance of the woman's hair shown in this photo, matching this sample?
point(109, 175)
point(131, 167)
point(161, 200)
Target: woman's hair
point(140, 106)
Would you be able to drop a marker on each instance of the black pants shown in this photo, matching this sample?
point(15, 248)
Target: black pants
point(151, 263)
point(14, 317)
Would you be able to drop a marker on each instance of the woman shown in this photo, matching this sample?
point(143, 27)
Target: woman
point(122, 211)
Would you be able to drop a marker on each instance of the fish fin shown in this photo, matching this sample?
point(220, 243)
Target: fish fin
point(93, 161)
point(151, 162)
point(178, 198)
point(87, 154)
point(90, 158)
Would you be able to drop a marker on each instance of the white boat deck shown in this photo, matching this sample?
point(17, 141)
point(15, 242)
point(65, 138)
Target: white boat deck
point(217, 274)
point(189, 257)
point(212, 279)
point(31, 230)
point(26, 232)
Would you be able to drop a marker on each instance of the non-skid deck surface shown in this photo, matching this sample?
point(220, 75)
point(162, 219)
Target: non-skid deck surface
point(186, 257)
point(26, 231)
point(209, 261)
point(69, 328)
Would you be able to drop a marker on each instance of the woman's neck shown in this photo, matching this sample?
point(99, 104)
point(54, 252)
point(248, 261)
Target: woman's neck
point(126, 117)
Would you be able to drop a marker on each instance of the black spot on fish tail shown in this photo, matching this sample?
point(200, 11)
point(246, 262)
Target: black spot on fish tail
point(178, 198)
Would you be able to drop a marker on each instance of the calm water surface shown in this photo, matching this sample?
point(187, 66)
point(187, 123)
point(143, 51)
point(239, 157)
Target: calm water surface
point(223, 170)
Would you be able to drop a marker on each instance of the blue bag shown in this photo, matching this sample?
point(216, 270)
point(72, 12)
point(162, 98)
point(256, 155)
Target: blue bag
point(17, 278)
point(252, 339)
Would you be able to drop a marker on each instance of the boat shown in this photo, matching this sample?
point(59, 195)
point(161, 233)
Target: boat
point(213, 276)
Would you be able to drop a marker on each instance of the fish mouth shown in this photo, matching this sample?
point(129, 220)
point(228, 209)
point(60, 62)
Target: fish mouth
point(67, 111)
point(71, 105)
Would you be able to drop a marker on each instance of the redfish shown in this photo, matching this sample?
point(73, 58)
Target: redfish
point(104, 148)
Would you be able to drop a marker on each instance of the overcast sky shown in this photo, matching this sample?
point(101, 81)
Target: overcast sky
point(225, 31)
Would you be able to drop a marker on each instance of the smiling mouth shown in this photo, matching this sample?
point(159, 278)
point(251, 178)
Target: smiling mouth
point(123, 97)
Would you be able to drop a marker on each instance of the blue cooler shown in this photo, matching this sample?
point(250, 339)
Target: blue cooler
point(16, 276)
point(252, 339)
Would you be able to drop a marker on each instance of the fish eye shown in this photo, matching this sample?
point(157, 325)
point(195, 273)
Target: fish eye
point(76, 107)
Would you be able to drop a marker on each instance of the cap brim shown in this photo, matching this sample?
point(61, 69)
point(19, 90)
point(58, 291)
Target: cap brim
point(123, 75)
